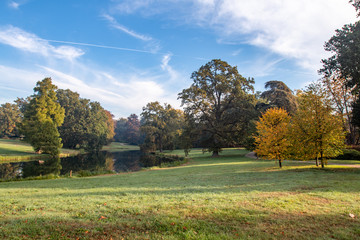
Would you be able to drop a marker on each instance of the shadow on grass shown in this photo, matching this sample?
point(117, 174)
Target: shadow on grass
point(241, 223)
point(225, 175)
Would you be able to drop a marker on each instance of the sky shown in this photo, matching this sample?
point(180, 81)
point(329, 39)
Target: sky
point(127, 53)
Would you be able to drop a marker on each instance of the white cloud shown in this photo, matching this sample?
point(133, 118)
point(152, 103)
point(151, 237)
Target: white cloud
point(29, 42)
point(294, 29)
point(14, 4)
point(124, 29)
point(121, 97)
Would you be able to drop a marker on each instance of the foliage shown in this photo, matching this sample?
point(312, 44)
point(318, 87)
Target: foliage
point(345, 45)
point(120, 130)
point(218, 105)
point(317, 131)
point(86, 124)
point(279, 95)
point(349, 154)
point(10, 116)
point(110, 125)
point(342, 99)
point(42, 116)
point(356, 4)
point(161, 125)
point(132, 132)
point(355, 116)
point(272, 140)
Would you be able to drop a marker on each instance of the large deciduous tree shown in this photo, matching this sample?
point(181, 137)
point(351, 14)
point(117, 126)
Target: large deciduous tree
point(10, 116)
point(317, 131)
point(160, 124)
point(345, 45)
point(42, 116)
point(272, 140)
point(219, 104)
point(86, 125)
point(279, 95)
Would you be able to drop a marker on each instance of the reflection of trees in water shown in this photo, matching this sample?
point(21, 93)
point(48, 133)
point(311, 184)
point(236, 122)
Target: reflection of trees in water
point(97, 161)
point(127, 161)
point(38, 168)
point(10, 170)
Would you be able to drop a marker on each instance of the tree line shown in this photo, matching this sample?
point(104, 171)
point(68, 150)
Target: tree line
point(52, 118)
point(219, 109)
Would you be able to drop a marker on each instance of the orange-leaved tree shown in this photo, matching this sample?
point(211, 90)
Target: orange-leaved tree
point(272, 140)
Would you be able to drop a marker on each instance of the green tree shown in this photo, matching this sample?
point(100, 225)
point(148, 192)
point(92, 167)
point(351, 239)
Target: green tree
point(73, 129)
point(160, 124)
point(272, 140)
point(87, 124)
point(317, 131)
point(132, 132)
point(10, 116)
point(219, 104)
point(355, 118)
point(279, 95)
point(120, 130)
point(345, 45)
point(42, 117)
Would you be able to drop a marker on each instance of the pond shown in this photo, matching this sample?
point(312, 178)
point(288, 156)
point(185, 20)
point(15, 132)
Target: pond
point(86, 164)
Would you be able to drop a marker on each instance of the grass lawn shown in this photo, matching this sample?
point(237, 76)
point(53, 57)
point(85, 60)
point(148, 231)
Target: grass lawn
point(230, 197)
point(16, 150)
point(119, 147)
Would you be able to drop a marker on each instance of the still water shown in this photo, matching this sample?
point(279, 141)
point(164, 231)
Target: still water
point(127, 161)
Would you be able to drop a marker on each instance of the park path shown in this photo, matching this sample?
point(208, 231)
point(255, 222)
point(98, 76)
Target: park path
point(253, 156)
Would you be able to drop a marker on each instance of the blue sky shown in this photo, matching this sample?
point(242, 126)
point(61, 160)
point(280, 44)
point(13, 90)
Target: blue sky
point(126, 53)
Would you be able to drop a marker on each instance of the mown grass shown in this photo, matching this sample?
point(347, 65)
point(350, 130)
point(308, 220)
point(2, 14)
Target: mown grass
point(17, 151)
point(230, 197)
point(119, 147)
point(12, 150)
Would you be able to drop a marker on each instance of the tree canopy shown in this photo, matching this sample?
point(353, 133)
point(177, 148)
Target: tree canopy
point(316, 131)
point(345, 46)
point(42, 116)
point(272, 141)
point(279, 95)
point(219, 103)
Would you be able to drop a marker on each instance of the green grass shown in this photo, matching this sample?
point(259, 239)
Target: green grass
point(119, 147)
point(230, 197)
point(16, 150)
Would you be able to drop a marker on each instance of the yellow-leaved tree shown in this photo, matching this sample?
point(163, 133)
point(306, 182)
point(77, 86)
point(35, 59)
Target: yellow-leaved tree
point(272, 140)
point(316, 129)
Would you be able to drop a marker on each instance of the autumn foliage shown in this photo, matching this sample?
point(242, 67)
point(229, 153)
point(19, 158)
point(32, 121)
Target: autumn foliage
point(272, 141)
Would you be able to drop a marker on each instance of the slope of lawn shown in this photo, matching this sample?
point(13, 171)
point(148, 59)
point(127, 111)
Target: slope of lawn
point(230, 197)
point(16, 150)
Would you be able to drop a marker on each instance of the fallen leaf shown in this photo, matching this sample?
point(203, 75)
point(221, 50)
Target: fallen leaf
point(351, 215)
point(102, 217)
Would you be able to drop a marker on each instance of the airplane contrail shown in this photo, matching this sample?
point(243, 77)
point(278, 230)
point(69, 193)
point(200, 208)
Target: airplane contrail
point(101, 46)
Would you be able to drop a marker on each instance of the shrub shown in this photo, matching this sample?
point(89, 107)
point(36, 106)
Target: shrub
point(349, 154)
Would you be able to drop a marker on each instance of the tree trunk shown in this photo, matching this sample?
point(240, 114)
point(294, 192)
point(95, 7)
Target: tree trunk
point(322, 161)
point(280, 163)
point(317, 161)
point(215, 154)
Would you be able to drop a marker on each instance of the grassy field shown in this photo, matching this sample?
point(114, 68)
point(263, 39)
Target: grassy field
point(16, 150)
point(230, 197)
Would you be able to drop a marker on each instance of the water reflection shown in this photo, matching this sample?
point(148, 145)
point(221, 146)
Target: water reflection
point(127, 161)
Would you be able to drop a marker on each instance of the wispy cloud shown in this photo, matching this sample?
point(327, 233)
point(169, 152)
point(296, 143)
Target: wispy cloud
point(293, 29)
point(124, 29)
point(29, 42)
point(14, 4)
